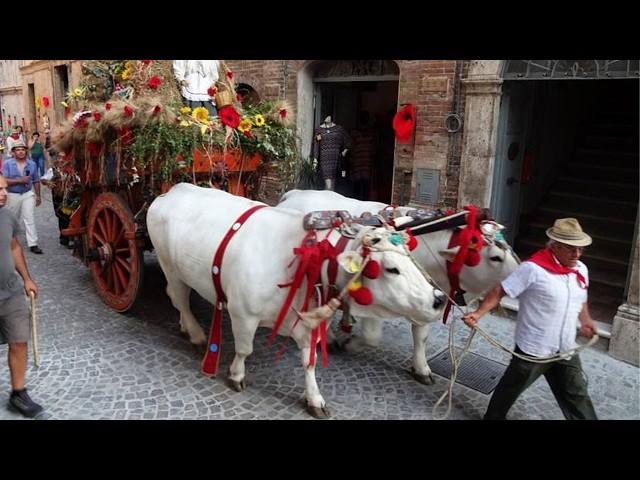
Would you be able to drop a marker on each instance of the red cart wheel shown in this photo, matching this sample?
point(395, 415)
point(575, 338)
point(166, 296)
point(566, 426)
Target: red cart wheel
point(117, 262)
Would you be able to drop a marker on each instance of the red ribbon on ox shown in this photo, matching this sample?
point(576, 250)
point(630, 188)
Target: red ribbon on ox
point(311, 255)
point(471, 242)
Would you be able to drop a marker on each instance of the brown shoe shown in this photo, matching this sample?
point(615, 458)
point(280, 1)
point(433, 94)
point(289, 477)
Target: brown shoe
point(36, 249)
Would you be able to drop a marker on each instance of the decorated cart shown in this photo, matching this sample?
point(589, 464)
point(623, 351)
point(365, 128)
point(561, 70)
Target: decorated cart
point(127, 137)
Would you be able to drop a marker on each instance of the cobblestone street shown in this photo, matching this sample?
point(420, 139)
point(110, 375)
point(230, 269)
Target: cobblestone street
point(98, 364)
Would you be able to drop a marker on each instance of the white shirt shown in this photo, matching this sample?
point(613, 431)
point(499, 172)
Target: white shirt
point(199, 76)
point(549, 307)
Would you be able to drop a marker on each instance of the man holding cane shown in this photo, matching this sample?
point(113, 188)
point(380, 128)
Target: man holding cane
point(14, 313)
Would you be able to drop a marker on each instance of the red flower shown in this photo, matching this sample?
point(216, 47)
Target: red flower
point(128, 111)
point(146, 62)
point(156, 109)
point(97, 116)
point(107, 106)
point(211, 91)
point(154, 82)
point(45, 102)
point(247, 133)
point(283, 113)
point(229, 116)
point(404, 122)
point(230, 75)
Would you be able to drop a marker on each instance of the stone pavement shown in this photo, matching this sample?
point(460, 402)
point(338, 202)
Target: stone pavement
point(98, 364)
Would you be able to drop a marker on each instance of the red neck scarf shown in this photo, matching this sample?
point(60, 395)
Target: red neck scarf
point(544, 258)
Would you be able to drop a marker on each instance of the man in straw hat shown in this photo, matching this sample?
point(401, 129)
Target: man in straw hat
point(552, 289)
point(14, 313)
point(23, 178)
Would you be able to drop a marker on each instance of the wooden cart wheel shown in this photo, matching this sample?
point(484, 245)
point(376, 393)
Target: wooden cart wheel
point(117, 263)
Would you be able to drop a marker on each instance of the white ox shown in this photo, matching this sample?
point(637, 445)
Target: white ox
point(497, 262)
point(187, 225)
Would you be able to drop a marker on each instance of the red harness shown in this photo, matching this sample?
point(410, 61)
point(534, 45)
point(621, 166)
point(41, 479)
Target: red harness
point(210, 361)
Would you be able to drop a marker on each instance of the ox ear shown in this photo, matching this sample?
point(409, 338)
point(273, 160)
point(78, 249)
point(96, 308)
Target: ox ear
point(450, 253)
point(351, 261)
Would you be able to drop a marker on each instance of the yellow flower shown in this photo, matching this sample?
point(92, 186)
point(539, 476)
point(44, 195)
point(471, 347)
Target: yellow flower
point(185, 110)
point(78, 92)
point(64, 104)
point(200, 114)
point(245, 125)
point(184, 123)
point(260, 121)
point(203, 129)
point(38, 102)
point(126, 74)
point(129, 64)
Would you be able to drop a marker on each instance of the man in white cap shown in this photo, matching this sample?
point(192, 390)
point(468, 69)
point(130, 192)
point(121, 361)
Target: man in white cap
point(21, 174)
point(552, 289)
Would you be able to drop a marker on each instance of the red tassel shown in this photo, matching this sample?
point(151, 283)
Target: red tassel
point(412, 243)
point(372, 270)
point(363, 296)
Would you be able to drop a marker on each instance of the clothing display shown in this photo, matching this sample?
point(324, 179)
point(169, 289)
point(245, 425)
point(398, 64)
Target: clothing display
point(329, 141)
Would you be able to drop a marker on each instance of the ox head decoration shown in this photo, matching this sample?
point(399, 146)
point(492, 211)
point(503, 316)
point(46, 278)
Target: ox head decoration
point(389, 282)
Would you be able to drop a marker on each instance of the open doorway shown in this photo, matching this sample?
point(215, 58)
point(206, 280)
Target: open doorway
point(365, 110)
point(362, 97)
point(569, 148)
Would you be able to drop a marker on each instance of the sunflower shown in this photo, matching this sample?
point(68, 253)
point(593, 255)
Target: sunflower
point(245, 125)
point(185, 110)
point(200, 114)
point(260, 121)
point(78, 92)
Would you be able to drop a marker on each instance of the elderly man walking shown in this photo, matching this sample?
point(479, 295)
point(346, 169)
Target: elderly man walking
point(552, 289)
point(14, 313)
point(23, 178)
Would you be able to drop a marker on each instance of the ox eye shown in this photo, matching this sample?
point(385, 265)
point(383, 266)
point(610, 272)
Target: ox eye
point(393, 270)
point(495, 259)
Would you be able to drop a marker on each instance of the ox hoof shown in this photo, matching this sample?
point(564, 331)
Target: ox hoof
point(238, 386)
point(317, 412)
point(424, 379)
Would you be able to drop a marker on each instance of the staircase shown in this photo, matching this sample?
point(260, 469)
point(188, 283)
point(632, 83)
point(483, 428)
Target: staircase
point(599, 187)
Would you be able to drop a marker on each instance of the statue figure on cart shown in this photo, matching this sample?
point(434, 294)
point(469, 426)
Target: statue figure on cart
point(195, 78)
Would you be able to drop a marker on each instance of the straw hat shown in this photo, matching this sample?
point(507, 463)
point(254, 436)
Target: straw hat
point(569, 232)
point(18, 144)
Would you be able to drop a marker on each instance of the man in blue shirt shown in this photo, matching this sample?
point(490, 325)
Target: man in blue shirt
point(23, 178)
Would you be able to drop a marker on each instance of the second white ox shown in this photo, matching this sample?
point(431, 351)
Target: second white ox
point(187, 225)
point(432, 252)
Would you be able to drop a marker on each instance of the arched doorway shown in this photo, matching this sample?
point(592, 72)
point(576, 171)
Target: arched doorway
point(361, 96)
point(567, 146)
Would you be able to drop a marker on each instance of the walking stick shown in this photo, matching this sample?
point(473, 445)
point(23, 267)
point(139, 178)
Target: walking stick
point(34, 330)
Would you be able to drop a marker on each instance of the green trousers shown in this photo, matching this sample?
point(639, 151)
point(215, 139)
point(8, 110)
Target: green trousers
point(565, 377)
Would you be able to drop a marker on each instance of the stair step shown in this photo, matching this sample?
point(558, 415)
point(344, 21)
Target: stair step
point(602, 172)
point(596, 226)
point(568, 212)
point(593, 205)
point(612, 129)
point(610, 190)
point(607, 158)
point(620, 143)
